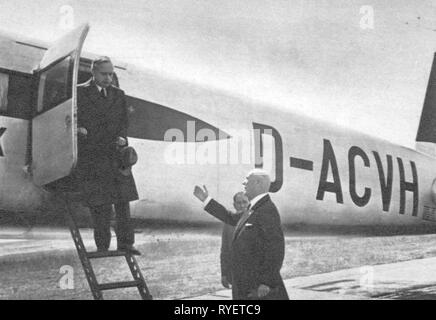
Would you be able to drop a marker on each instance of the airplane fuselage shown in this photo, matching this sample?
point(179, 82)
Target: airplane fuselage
point(187, 135)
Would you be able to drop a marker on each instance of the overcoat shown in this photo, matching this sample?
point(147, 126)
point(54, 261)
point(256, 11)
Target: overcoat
point(105, 119)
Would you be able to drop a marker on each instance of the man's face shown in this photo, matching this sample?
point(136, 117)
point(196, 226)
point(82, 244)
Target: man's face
point(250, 185)
point(103, 74)
point(241, 202)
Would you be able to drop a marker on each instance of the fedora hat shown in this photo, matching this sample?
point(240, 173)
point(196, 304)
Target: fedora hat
point(127, 157)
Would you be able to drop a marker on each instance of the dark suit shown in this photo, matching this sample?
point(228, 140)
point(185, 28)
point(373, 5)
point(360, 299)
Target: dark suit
point(226, 250)
point(258, 249)
point(97, 174)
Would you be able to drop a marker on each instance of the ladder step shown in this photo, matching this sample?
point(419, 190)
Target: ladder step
point(121, 284)
point(85, 257)
point(105, 254)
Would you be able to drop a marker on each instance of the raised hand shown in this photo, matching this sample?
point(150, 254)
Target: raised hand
point(200, 193)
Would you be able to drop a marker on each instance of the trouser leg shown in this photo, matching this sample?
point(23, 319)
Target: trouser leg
point(124, 229)
point(102, 229)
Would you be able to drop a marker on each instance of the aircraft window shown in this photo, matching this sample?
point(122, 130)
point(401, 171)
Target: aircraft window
point(4, 83)
point(55, 85)
point(15, 95)
point(84, 71)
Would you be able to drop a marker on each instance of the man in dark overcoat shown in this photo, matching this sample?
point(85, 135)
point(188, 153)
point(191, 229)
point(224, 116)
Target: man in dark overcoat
point(258, 245)
point(102, 133)
point(240, 203)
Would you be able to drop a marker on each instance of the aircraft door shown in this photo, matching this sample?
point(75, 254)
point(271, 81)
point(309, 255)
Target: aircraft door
point(54, 127)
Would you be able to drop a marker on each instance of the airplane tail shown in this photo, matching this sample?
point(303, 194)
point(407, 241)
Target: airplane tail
point(426, 136)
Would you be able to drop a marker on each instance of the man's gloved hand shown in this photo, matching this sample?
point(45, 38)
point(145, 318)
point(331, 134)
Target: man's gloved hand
point(82, 131)
point(200, 193)
point(121, 142)
point(263, 290)
point(260, 292)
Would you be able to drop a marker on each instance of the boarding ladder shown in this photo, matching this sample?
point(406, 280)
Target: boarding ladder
point(86, 257)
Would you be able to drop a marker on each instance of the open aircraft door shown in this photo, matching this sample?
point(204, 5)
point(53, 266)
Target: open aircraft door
point(54, 127)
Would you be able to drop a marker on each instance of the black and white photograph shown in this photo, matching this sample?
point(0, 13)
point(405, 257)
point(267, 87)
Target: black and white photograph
point(197, 150)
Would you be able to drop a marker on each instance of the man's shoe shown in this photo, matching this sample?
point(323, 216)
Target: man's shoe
point(130, 249)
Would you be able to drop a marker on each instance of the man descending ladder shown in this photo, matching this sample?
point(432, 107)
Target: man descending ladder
point(85, 257)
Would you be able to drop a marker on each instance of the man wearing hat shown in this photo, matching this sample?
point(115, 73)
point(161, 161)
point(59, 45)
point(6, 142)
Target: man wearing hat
point(105, 159)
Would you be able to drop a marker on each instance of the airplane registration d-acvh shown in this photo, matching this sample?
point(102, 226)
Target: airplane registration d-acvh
point(186, 134)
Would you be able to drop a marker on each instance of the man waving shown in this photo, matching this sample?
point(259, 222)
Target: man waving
point(258, 244)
